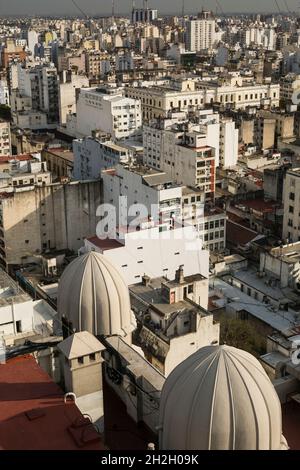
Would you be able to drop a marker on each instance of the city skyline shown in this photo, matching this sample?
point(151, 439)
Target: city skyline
point(99, 7)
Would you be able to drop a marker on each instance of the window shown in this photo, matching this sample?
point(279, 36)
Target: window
point(291, 210)
point(292, 196)
point(80, 360)
point(92, 357)
point(190, 289)
point(19, 326)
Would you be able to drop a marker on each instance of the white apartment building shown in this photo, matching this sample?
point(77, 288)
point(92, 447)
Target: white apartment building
point(200, 33)
point(32, 41)
point(291, 202)
point(210, 222)
point(259, 36)
point(154, 189)
point(40, 84)
point(4, 93)
point(68, 90)
point(109, 111)
point(92, 155)
point(181, 151)
point(229, 143)
point(5, 138)
point(154, 252)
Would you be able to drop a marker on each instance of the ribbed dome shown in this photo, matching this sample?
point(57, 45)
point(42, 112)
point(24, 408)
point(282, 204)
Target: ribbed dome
point(220, 398)
point(93, 296)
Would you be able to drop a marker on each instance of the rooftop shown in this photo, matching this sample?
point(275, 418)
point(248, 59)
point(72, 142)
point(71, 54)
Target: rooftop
point(10, 291)
point(33, 415)
point(61, 153)
point(237, 234)
point(143, 296)
point(280, 320)
point(104, 245)
point(288, 253)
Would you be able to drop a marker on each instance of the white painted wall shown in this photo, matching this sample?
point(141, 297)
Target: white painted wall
point(119, 116)
point(157, 254)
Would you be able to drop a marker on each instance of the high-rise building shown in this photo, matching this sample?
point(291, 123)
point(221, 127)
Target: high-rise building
point(107, 110)
point(144, 15)
point(200, 33)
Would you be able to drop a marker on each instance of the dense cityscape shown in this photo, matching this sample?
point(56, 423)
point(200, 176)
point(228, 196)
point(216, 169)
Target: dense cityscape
point(150, 230)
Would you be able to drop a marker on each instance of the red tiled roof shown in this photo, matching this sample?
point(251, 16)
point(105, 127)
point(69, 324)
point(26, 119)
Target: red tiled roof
point(33, 415)
point(238, 234)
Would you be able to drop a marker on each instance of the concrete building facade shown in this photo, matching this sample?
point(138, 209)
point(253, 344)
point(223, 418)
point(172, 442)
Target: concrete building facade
point(39, 218)
point(109, 111)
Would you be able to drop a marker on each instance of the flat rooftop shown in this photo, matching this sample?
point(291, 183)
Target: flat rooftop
point(142, 296)
point(288, 253)
point(33, 415)
point(10, 291)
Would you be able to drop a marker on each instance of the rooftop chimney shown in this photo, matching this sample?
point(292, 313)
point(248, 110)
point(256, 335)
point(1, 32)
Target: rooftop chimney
point(179, 276)
point(146, 280)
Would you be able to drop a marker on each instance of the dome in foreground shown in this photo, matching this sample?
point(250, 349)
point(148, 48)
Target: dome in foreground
point(93, 296)
point(220, 398)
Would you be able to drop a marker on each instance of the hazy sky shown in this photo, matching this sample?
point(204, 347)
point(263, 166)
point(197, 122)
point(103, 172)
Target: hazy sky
point(99, 7)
